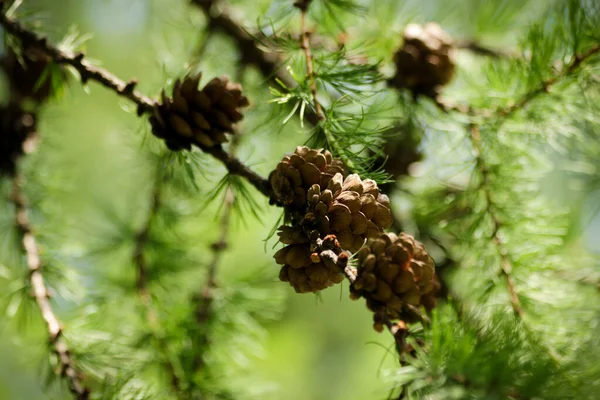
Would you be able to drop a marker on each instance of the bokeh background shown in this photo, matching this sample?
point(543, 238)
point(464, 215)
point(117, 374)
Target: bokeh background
point(89, 158)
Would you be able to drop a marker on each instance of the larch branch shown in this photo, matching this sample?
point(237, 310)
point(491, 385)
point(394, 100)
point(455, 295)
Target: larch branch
point(41, 294)
point(126, 89)
point(86, 70)
point(141, 265)
point(545, 86)
point(204, 308)
point(505, 262)
point(268, 63)
point(477, 48)
point(305, 44)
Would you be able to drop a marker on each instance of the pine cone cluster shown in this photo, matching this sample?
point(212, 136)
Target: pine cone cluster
point(425, 62)
point(395, 275)
point(200, 117)
point(17, 130)
point(319, 202)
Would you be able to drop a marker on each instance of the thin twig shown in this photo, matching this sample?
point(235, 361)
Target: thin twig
point(204, 308)
point(503, 113)
point(236, 167)
point(142, 271)
point(305, 44)
point(66, 364)
point(268, 63)
point(547, 84)
point(141, 240)
point(479, 49)
point(505, 263)
point(110, 81)
point(86, 70)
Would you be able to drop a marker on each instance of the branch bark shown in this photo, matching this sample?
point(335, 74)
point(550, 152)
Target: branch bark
point(41, 294)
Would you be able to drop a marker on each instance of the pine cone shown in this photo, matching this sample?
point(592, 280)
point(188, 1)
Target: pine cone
point(350, 210)
point(28, 75)
point(296, 173)
point(395, 275)
point(426, 60)
point(200, 117)
point(17, 130)
point(306, 271)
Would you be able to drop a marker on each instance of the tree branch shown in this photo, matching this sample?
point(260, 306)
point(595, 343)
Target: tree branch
point(111, 82)
point(204, 308)
point(505, 263)
point(67, 367)
point(86, 70)
point(477, 48)
point(141, 240)
point(267, 63)
point(545, 86)
point(141, 266)
point(305, 44)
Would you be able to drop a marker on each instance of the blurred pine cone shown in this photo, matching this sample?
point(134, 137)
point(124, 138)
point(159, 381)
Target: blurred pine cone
point(395, 274)
point(31, 75)
point(17, 130)
point(425, 62)
point(200, 117)
point(296, 173)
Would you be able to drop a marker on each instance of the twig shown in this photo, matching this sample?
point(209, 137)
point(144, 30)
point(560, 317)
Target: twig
point(86, 70)
point(305, 44)
point(141, 266)
point(108, 80)
point(67, 367)
point(204, 307)
point(477, 48)
point(547, 84)
point(505, 263)
point(502, 113)
point(141, 240)
point(269, 64)
point(236, 167)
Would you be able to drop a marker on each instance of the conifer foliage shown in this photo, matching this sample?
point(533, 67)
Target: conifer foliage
point(421, 169)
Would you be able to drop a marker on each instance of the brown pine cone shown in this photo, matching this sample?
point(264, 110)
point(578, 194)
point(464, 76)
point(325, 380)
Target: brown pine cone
point(395, 275)
point(296, 173)
point(17, 130)
point(305, 271)
point(425, 62)
point(350, 210)
point(200, 117)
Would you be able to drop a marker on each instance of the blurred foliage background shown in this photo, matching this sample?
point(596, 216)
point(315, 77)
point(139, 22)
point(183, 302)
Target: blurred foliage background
point(90, 178)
